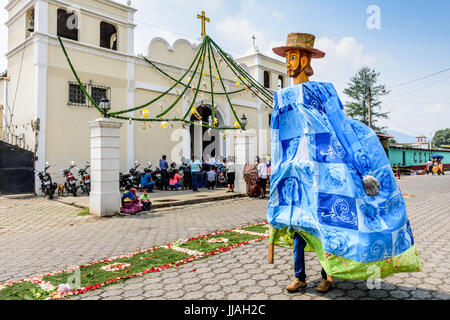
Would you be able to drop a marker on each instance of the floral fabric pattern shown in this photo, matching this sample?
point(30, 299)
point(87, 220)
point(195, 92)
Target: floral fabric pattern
point(319, 160)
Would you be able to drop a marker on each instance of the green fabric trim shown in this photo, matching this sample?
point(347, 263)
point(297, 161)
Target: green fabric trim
point(344, 268)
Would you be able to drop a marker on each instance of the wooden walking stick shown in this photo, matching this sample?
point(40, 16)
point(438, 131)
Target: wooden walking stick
point(271, 251)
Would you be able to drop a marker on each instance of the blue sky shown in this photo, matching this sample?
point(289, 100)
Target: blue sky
point(413, 42)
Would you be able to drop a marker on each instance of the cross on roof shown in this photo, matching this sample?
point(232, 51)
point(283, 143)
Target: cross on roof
point(203, 18)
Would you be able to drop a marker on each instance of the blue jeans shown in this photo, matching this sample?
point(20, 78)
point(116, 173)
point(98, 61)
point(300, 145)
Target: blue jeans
point(149, 186)
point(299, 259)
point(204, 178)
point(195, 180)
point(175, 186)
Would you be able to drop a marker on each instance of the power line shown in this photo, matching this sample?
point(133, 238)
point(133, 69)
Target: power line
point(425, 87)
point(419, 79)
point(416, 102)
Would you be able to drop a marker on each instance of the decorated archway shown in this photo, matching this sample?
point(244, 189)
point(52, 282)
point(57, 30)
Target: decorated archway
point(204, 142)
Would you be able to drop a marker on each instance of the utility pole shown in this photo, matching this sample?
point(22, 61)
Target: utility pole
point(369, 106)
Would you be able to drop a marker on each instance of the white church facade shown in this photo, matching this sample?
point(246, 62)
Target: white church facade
point(43, 108)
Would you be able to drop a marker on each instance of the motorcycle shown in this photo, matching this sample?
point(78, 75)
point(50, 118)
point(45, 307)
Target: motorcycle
point(132, 178)
point(47, 186)
point(156, 176)
point(85, 181)
point(71, 183)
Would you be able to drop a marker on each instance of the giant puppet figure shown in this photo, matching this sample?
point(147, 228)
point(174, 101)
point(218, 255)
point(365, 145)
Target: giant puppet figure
point(332, 189)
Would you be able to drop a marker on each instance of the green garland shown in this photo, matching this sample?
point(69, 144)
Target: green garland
point(231, 63)
point(173, 79)
point(207, 46)
point(202, 48)
point(228, 98)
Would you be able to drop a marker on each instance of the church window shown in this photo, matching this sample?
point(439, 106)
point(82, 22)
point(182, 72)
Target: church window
point(99, 92)
point(76, 95)
point(266, 79)
point(30, 22)
point(280, 82)
point(67, 24)
point(108, 36)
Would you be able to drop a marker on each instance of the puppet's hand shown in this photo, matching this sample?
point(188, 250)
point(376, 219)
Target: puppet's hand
point(371, 185)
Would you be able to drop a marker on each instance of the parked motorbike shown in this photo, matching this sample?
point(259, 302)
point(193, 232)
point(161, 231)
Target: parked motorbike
point(135, 175)
point(71, 183)
point(156, 176)
point(132, 178)
point(47, 186)
point(85, 181)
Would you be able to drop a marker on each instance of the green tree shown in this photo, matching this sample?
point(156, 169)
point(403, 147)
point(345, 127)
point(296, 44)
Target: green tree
point(365, 92)
point(392, 140)
point(441, 137)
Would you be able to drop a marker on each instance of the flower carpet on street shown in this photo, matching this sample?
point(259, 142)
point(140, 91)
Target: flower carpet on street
point(80, 279)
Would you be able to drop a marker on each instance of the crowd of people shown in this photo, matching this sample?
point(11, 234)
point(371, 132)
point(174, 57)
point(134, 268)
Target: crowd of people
point(431, 164)
point(191, 174)
point(430, 167)
point(195, 173)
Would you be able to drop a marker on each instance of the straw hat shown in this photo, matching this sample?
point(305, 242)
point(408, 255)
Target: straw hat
point(302, 41)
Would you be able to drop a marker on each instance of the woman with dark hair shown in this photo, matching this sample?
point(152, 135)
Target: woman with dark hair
point(130, 201)
point(174, 177)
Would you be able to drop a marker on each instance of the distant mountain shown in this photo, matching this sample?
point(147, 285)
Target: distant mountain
point(401, 137)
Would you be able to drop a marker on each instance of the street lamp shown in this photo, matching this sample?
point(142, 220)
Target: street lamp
point(105, 105)
point(244, 121)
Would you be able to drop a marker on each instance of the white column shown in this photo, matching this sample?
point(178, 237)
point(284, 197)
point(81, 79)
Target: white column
point(131, 70)
point(105, 164)
point(187, 142)
point(41, 63)
point(245, 151)
point(198, 141)
point(5, 107)
point(187, 131)
point(228, 134)
point(130, 104)
point(260, 131)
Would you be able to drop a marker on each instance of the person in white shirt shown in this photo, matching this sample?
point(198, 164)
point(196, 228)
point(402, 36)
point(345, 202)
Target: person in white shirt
point(262, 174)
point(231, 174)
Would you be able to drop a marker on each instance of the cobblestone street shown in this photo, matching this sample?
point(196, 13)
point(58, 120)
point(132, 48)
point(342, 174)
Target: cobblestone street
point(39, 236)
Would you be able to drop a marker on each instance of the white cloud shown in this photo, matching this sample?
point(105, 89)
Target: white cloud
point(418, 118)
point(238, 33)
point(342, 60)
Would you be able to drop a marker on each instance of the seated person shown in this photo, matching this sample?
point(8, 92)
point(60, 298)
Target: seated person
point(130, 201)
point(147, 181)
point(145, 200)
point(221, 180)
point(211, 178)
point(174, 177)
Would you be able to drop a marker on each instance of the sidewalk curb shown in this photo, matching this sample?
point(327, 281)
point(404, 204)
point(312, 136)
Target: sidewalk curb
point(170, 204)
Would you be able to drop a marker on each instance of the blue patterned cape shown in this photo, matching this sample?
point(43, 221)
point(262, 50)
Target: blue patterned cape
point(319, 158)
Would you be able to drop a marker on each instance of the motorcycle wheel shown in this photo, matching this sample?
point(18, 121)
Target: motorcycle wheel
point(74, 191)
point(50, 195)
